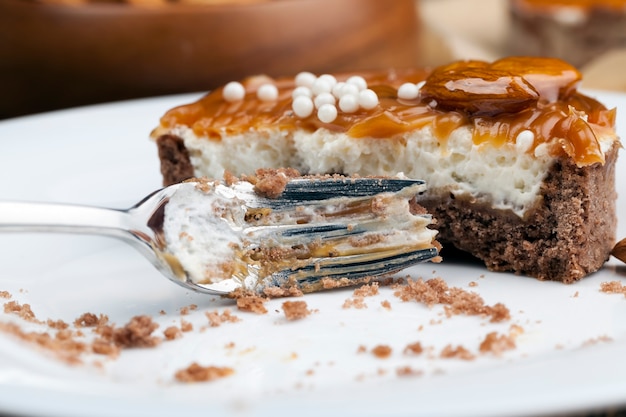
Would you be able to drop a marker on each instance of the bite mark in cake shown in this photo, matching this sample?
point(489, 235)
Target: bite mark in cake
point(519, 164)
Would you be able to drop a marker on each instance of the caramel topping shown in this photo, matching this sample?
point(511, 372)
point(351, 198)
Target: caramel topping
point(497, 100)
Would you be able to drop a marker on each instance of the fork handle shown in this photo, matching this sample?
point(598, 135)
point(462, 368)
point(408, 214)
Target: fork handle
point(63, 218)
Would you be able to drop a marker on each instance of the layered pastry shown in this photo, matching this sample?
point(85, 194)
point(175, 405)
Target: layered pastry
point(574, 30)
point(519, 164)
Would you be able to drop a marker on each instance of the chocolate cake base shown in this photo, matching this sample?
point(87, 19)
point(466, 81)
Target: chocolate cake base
point(567, 235)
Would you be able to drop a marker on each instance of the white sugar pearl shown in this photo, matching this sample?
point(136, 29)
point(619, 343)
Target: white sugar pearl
point(321, 85)
point(301, 91)
point(323, 98)
point(337, 89)
point(330, 79)
point(408, 91)
point(358, 81)
point(233, 91)
point(327, 113)
point(305, 79)
point(302, 106)
point(349, 89)
point(368, 99)
point(524, 140)
point(349, 103)
point(267, 92)
point(542, 150)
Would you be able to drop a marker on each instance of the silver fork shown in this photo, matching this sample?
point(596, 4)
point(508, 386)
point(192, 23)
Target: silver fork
point(142, 226)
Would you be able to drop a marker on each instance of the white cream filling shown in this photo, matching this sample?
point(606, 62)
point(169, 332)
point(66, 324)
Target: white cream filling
point(504, 176)
point(206, 231)
point(202, 231)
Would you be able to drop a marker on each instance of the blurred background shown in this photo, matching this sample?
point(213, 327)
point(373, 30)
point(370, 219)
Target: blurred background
point(63, 53)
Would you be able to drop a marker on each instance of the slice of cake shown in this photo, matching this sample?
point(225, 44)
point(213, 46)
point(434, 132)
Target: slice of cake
point(575, 30)
point(519, 164)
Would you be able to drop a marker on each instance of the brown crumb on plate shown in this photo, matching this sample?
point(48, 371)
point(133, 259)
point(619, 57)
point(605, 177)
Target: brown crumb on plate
point(23, 311)
point(185, 326)
point(137, 333)
point(613, 287)
point(295, 310)
point(413, 349)
point(458, 352)
point(198, 373)
point(496, 344)
point(252, 304)
point(405, 371)
point(382, 351)
point(216, 319)
point(172, 333)
point(90, 320)
point(455, 300)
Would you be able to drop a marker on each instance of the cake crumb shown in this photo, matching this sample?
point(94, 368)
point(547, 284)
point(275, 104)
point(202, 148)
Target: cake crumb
point(613, 287)
point(187, 309)
point(136, 333)
point(386, 304)
point(366, 290)
point(216, 319)
point(271, 183)
point(295, 310)
point(455, 300)
point(57, 324)
point(172, 333)
point(459, 352)
point(185, 326)
point(5, 294)
point(413, 349)
point(198, 373)
point(596, 340)
point(90, 320)
point(23, 311)
point(252, 304)
point(357, 302)
point(361, 349)
point(279, 292)
point(407, 371)
point(496, 344)
point(103, 347)
point(382, 351)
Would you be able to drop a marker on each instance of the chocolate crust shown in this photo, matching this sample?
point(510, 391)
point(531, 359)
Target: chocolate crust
point(175, 163)
point(567, 235)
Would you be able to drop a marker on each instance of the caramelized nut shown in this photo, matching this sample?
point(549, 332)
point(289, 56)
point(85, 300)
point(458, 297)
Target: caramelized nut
point(508, 85)
point(619, 250)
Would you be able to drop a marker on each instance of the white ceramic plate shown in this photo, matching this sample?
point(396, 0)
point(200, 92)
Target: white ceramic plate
point(569, 358)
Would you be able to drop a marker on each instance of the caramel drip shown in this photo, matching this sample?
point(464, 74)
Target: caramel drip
point(497, 100)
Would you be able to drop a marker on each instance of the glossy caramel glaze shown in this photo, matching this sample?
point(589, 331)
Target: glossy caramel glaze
point(496, 100)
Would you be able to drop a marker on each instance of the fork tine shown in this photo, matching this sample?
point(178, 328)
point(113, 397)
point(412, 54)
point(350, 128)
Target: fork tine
point(353, 267)
point(309, 191)
point(323, 189)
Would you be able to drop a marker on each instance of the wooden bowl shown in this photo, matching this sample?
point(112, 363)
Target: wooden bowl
point(59, 55)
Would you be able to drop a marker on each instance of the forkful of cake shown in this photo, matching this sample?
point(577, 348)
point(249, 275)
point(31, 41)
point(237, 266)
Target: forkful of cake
point(272, 231)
